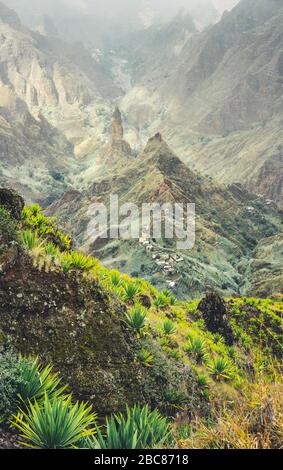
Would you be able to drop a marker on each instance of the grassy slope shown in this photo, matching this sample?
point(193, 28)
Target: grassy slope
point(252, 361)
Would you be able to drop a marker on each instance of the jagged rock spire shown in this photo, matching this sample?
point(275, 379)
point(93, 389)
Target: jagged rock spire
point(117, 126)
point(117, 145)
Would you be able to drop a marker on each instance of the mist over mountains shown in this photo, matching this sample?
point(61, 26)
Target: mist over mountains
point(98, 22)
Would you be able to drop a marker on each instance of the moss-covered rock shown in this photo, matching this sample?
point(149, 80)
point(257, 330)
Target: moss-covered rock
point(12, 202)
point(214, 313)
point(73, 324)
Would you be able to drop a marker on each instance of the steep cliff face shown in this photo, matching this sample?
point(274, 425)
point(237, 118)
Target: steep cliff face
point(266, 265)
point(270, 178)
point(222, 90)
point(50, 94)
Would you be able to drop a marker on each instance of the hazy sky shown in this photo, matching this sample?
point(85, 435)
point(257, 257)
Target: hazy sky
point(117, 7)
point(90, 21)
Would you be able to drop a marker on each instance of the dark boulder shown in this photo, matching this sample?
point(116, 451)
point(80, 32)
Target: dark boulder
point(214, 313)
point(12, 202)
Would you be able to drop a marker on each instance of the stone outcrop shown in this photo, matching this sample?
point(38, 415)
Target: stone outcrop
point(117, 143)
point(12, 202)
point(214, 313)
point(117, 126)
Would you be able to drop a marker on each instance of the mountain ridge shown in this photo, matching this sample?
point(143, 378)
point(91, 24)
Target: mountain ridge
point(158, 175)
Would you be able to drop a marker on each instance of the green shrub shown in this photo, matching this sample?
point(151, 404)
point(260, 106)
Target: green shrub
point(35, 209)
point(168, 327)
point(218, 338)
point(115, 278)
point(221, 369)
point(10, 380)
point(136, 318)
point(231, 351)
point(119, 292)
point(46, 227)
point(202, 380)
point(52, 252)
point(138, 429)
point(55, 424)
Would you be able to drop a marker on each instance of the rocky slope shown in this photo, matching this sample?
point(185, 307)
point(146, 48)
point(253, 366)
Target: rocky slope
point(77, 316)
point(73, 321)
point(51, 96)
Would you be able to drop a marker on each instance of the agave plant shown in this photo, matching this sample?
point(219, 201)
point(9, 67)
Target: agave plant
point(52, 253)
point(115, 278)
point(77, 260)
point(175, 398)
point(65, 262)
point(55, 424)
point(169, 294)
point(196, 347)
point(138, 429)
point(136, 318)
point(145, 357)
point(65, 240)
point(202, 380)
point(119, 292)
point(132, 291)
point(30, 239)
point(168, 327)
point(81, 261)
point(37, 381)
point(161, 301)
point(50, 258)
point(35, 209)
point(41, 223)
point(221, 369)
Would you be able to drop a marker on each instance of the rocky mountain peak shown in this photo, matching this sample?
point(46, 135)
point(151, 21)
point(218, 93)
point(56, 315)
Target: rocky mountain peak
point(157, 136)
point(157, 145)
